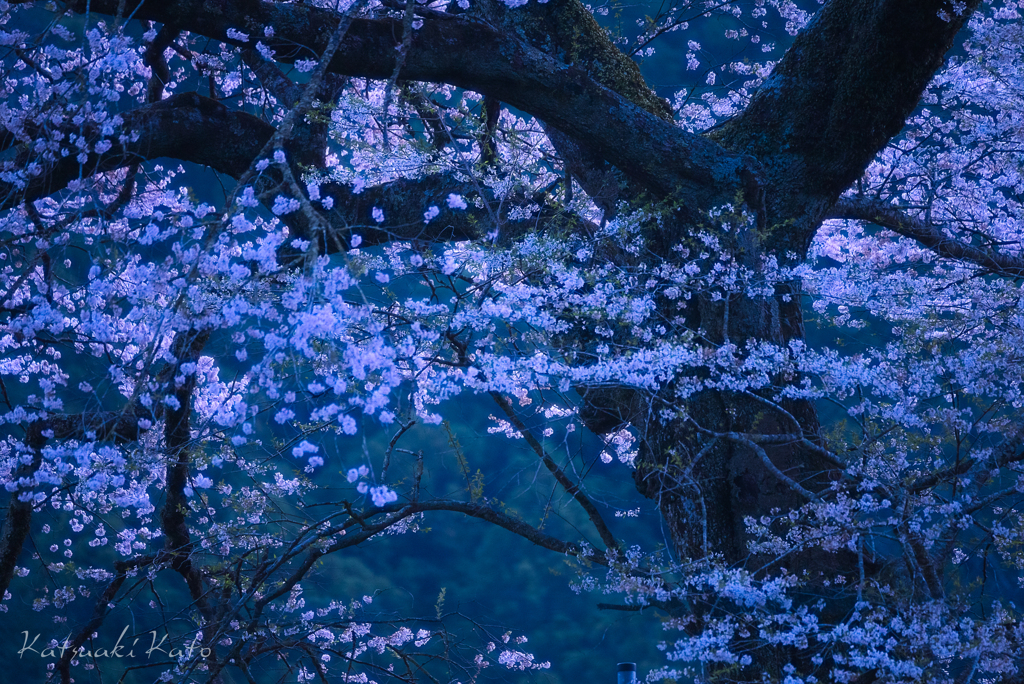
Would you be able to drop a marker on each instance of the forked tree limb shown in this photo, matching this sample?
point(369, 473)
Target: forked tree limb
point(843, 90)
point(835, 99)
point(471, 54)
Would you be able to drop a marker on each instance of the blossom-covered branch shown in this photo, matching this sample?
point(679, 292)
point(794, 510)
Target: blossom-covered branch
point(933, 237)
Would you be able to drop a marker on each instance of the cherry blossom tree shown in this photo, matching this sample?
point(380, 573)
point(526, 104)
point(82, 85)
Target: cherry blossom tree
point(237, 236)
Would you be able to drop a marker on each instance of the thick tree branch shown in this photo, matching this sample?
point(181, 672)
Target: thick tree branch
point(471, 54)
point(930, 236)
point(154, 58)
point(193, 128)
point(188, 127)
point(841, 92)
